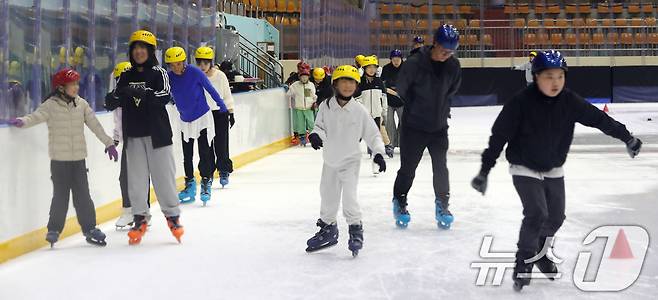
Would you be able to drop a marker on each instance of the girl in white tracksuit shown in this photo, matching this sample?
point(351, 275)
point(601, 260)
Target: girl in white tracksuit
point(340, 125)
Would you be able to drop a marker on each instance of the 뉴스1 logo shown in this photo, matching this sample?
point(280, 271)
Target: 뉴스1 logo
point(620, 266)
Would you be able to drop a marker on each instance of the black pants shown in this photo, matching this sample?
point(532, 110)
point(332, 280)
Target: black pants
point(221, 159)
point(123, 182)
point(412, 145)
point(378, 123)
point(543, 210)
point(70, 177)
point(205, 156)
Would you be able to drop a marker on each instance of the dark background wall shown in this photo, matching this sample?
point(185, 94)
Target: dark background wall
point(491, 86)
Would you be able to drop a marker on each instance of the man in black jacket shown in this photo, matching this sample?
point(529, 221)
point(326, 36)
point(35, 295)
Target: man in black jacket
point(426, 82)
point(538, 125)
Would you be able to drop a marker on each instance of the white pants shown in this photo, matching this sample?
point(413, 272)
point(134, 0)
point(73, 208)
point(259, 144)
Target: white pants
point(337, 182)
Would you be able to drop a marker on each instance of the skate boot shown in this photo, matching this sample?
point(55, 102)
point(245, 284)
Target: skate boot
point(375, 169)
point(389, 151)
point(139, 229)
point(325, 238)
point(175, 227)
point(223, 178)
point(522, 271)
point(545, 264)
point(189, 193)
point(295, 140)
point(400, 213)
point(355, 243)
point(52, 237)
point(126, 219)
point(95, 237)
point(443, 216)
point(206, 188)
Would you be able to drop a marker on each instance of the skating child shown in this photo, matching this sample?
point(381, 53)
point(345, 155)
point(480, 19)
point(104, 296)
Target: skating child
point(340, 125)
point(223, 120)
point(395, 104)
point(188, 87)
point(527, 67)
point(66, 115)
point(373, 94)
point(538, 126)
point(323, 89)
point(302, 96)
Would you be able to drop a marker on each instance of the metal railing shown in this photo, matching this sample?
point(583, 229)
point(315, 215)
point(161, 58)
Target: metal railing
point(257, 63)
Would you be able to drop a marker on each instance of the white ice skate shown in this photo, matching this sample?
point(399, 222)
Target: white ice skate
point(375, 169)
point(126, 219)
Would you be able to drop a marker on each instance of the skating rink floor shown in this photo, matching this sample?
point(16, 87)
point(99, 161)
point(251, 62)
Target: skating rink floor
point(249, 242)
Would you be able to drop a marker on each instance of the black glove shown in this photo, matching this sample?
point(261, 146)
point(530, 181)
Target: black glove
point(379, 160)
point(633, 147)
point(479, 183)
point(231, 120)
point(316, 141)
point(132, 92)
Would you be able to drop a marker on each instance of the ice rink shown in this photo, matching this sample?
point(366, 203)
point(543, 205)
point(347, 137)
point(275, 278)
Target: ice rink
point(249, 242)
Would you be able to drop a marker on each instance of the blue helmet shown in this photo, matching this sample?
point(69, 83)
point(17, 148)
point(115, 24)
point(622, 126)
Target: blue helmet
point(551, 59)
point(447, 36)
point(419, 39)
point(396, 53)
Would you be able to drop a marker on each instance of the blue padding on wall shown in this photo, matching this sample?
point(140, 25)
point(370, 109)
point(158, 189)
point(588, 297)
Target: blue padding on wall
point(474, 100)
point(632, 94)
point(598, 100)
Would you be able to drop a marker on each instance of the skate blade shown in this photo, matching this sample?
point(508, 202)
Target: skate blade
point(401, 224)
point(97, 243)
point(178, 233)
point(187, 201)
point(517, 287)
point(311, 250)
point(443, 225)
point(355, 253)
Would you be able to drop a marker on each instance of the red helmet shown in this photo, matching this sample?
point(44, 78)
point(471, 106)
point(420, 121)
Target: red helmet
point(327, 70)
point(65, 76)
point(305, 70)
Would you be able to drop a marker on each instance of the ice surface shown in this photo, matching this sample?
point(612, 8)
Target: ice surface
point(249, 242)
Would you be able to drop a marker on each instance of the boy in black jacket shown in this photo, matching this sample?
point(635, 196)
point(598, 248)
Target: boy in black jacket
point(538, 126)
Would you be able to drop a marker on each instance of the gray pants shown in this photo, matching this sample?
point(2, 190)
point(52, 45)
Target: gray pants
point(392, 129)
point(144, 162)
point(337, 183)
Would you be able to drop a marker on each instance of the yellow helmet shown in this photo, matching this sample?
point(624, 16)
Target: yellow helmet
point(143, 36)
point(370, 61)
point(120, 68)
point(346, 71)
point(204, 53)
point(359, 59)
point(533, 53)
point(175, 54)
point(318, 74)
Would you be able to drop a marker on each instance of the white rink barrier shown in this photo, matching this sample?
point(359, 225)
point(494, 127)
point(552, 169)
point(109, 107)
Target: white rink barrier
point(262, 127)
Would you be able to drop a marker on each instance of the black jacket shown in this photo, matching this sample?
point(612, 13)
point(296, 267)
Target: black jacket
point(539, 129)
point(389, 76)
point(426, 96)
point(324, 90)
point(143, 96)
